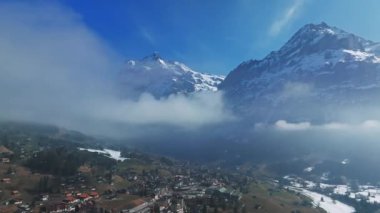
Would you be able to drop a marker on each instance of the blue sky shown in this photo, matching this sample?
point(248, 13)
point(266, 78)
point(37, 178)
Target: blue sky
point(216, 35)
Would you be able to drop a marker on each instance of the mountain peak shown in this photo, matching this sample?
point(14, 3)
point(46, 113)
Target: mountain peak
point(322, 25)
point(162, 78)
point(313, 38)
point(319, 29)
point(155, 56)
point(320, 64)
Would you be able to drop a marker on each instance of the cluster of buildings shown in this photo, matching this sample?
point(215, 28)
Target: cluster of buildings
point(71, 202)
point(180, 188)
point(190, 190)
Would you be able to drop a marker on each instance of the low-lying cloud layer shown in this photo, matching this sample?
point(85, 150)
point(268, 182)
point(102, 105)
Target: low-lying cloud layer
point(367, 125)
point(54, 69)
point(180, 110)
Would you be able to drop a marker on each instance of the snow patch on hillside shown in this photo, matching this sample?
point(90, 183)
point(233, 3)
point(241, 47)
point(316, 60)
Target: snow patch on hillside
point(108, 153)
point(325, 202)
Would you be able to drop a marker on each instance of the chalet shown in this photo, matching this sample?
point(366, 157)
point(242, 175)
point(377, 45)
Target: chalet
point(71, 200)
point(44, 197)
point(6, 180)
point(61, 207)
point(84, 197)
point(5, 160)
point(16, 201)
point(24, 208)
point(94, 194)
point(15, 192)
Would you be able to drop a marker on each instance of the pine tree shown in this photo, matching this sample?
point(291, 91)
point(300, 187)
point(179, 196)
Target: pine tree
point(156, 208)
point(204, 210)
point(244, 209)
point(216, 210)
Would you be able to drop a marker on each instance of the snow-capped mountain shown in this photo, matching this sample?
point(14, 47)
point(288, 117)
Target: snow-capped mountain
point(161, 78)
point(319, 67)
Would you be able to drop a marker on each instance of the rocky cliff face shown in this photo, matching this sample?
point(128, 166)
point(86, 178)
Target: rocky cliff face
point(161, 78)
point(320, 69)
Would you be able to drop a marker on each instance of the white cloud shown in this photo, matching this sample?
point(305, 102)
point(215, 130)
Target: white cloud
point(286, 17)
point(180, 110)
point(284, 125)
point(370, 124)
point(367, 125)
point(54, 69)
point(335, 126)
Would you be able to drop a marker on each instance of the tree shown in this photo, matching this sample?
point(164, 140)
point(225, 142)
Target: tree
point(204, 210)
point(244, 209)
point(156, 208)
point(43, 184)
point(236, 209)
point(216, 210)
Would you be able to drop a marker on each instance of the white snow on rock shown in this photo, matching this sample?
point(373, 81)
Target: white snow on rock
point(341, 189)
point(310, 184)
point(161, 78)
point(325, 202)
point(308, 169)
point(108, 153)
point(345, 161)
point(367, 193)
